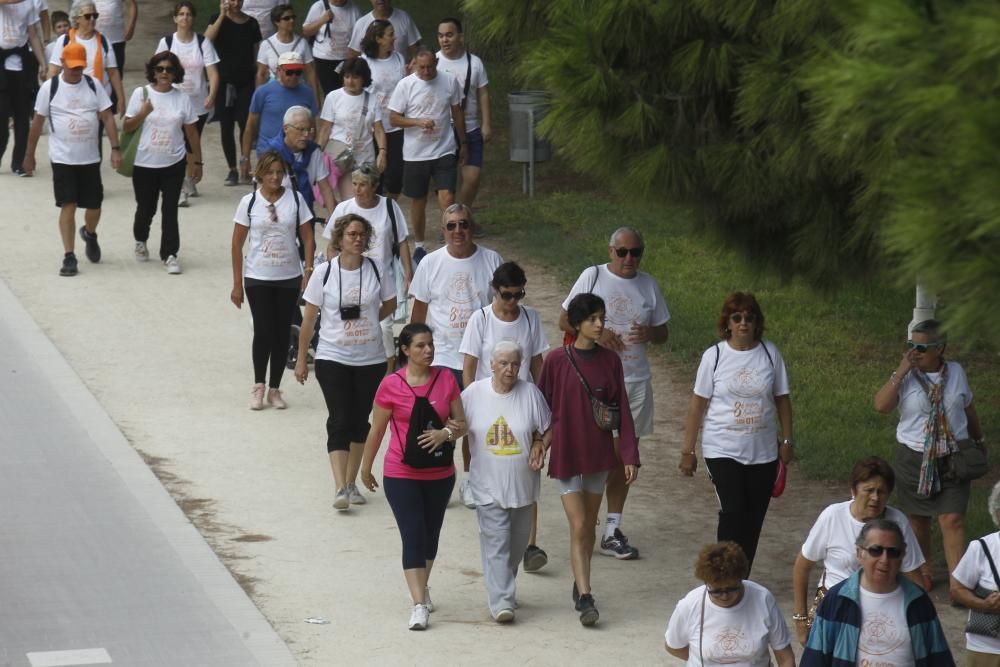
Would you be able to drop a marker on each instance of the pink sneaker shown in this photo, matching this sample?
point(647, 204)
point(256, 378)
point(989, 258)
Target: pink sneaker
point(275, 399)
point(257, 397)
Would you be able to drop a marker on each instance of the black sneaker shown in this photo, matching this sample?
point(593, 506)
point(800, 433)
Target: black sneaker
point(68, 265)
point(18, 171)
point(588, 612)
point(617, 545)
point(232, 179)
point(418, 255)
point(93, 250)
point(534, 558)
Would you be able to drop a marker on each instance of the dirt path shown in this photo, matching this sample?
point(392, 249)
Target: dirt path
point(168, 357)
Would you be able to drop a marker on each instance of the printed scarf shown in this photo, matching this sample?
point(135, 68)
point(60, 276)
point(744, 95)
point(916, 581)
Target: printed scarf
point(938, 439)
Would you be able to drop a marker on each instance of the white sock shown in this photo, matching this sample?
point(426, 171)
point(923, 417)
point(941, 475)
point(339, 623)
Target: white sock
point(418, 244)
point(613, 521)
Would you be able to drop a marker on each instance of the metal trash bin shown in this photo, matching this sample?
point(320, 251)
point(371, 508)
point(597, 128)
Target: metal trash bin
point(527, 108)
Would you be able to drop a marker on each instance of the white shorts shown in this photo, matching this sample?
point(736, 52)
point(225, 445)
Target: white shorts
point(592, 483)
point(640, 402)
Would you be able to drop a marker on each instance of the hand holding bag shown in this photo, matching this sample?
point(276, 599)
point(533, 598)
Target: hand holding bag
point(981, 623)
point(424, 417)
point(608, 416)
point(128, 144)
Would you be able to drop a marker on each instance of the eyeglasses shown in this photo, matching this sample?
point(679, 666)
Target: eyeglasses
point(303, 130)
point(461, 224)
point(287, 18)
point(507, 296)
point(876, 550)
point(292, 72)
point(160, 69)
point(739, 317)
point(356, 235)
point(90, 17)
point(721, 592)
point(922, 347)
point(635, 252)
point(273, 212)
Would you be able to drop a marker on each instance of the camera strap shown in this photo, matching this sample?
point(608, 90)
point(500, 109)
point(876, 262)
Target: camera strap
point(361, 279)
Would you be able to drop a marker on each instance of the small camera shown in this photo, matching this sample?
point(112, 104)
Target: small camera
point(350, 313)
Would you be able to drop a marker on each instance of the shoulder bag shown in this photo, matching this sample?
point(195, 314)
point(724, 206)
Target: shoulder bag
point(343, 154)
point(128, 143)
point(817, 598)
point(981, 623)
point(608, 416)
point(968, 461)
point(424, 417)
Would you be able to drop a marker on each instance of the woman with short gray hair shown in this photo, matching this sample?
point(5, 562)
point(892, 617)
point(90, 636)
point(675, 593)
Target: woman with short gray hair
point(974, 585)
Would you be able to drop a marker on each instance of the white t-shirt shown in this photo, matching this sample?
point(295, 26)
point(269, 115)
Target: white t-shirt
point(484, 330)
point(271, 252)
point(403, 26)
point(353, 342)
point(194, 61)
point(111, 22)
point(270, 51)
point(74, 117)
point(416, 98)
point(161, 142)
point(14, 22)
point(333, 46)
point(741, 420)
point(831, 540)
point(261, 10)
point(972, 571)
point(91, 45)
point(914, 406)
point(349, 125)
point(459, 68)
point(627, 300)
point(453, 290)
point(885, 635)
point(381, 250)
point(740, 635)
point(386, 74)
point(501, 427)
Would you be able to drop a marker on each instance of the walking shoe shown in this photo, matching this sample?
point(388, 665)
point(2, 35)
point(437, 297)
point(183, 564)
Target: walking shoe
point(275, 399)
point(342, 501)
point(505, 616)
point(355, 495)
point(427, 600)
point(466, 493)
point(93, 250)
point(68, 265)
point(173, 266)
point(419, 617)
point(21, 172)
point(189, 188)
point(183, 201)
point(418, 255)
point(257, 396)
point(617, 545)
point(141, 251)
point(534, 558)
point(232, 179)
point(588, 612)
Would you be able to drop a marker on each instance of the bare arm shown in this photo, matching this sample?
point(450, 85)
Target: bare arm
point(308, 250)
point(212, 31)
point(191, 132)
point(535, 368)
point(108, 119)
point(115, 77)
point(785, 657)
point(784, 407)
point(458, 119)
point(239, 238)
point(213, 86)
point(564, 323)
point(975, 428)
point(380, 420)
point(469, 367)
point(323, 132)
point(959, 593)
point(692, 424)
point(329, 200)
point(887, 397)
point(37, 123)
point(253, 124)
point(381, 153)
point(680, 653)
point(387, 309)
point(484, 111)
point(131, 16)
point(53, 70)
point(404, 257)
point(263, 74)
point(37, 48)
point(419, 312)
point(309, 316)
point(800, 594)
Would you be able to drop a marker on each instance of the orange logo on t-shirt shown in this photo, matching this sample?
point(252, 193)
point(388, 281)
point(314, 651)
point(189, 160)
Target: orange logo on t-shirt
point(500, 440)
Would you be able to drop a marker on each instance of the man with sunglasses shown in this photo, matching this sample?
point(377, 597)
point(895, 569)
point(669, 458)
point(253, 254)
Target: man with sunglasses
point(270, 103)
point(636, 315)
point(876, 616)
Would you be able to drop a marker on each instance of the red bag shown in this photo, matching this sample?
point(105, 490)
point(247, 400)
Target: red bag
point(780, 479)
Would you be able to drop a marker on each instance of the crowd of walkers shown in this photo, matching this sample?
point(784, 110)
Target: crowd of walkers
point(337, 115)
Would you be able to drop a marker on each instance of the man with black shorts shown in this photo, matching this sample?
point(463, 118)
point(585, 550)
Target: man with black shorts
point(74, 106)
point(426, 104)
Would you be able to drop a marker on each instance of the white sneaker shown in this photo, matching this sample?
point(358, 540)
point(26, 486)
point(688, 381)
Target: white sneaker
point(257, 396)
point(141, 251)
point(427, 599)
point(465, 491)
point(342, 500)
point(189, 188)
point(183, 201)
point(505, 616)
point(173, 266)
point(355, 495)
point(275, 398)
point(419, 617)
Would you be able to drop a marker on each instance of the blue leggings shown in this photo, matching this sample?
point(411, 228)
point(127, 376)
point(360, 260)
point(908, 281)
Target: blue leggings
point(418, 506)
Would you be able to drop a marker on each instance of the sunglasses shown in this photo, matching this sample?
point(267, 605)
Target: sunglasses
point(507, 296)
point(273, 212)
point(292, 72)
point(739, 317)
point(287, 18)
point(876, 550)
point(635, 252)
point(720, 592)
point(921, 347)
point(160, 69)
point(461, 224)
point(90, 17)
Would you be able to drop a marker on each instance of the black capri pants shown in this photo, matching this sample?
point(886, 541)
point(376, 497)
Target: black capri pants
point(349, 392)
point(744, 493)
point(418, 506)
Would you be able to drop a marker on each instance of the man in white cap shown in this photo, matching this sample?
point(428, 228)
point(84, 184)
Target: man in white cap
point(74, 106)
point(269, 104)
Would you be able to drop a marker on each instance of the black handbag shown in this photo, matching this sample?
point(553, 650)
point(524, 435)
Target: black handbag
point(424, 417)
point(968, 461)
point(981, 623)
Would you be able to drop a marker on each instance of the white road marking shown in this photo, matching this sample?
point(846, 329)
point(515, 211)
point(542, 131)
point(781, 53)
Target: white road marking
point(81, 656)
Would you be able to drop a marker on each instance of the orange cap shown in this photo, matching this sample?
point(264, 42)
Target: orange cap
point(74, 55)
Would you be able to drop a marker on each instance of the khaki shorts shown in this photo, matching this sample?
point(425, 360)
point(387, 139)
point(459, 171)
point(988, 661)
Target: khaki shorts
point(640, 401)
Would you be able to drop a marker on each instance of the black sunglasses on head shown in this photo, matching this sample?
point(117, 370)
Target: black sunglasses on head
point(876, 550)
point(635, 252)
point(461, 224)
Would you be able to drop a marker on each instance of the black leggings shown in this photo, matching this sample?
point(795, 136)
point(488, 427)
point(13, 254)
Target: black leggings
point(418, 506)
point(15, 102)
point(349, 392)
point(744, 493)
point(329, 78)
point(230, 117)
point(272, 307)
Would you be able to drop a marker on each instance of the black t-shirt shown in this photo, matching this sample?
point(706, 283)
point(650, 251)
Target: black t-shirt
point(235, 46)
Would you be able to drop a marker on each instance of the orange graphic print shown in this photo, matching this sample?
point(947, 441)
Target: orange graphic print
point(500, 440)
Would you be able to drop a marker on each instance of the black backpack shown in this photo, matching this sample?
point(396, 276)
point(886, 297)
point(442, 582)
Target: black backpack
point(422, 418)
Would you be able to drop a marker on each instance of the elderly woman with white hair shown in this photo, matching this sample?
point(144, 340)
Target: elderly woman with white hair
point(102, 66)
point(508, 421)
point(974, 585)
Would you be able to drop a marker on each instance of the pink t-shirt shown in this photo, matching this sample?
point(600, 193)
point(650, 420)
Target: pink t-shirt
point(396, 396)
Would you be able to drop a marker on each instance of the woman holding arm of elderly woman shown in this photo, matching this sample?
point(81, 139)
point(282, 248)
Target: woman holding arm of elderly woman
point(740, 396)
point(422, 407)
point(354, 296)
point(974, 585)
point(832, 538)
point(582, 452)
point(936, 412)
point(508, 420)
point(728, 620)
